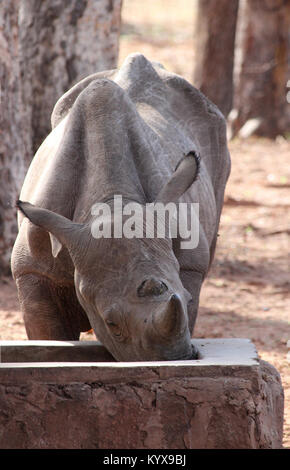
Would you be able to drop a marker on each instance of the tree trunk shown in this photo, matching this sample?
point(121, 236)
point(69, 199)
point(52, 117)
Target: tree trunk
point(15, 145)
point(262, 69)
point(215, 45)
point(45, 47)
point(62, 42)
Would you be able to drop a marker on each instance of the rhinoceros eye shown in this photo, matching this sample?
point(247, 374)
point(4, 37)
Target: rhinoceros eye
point(151, 287)
point(114, 327)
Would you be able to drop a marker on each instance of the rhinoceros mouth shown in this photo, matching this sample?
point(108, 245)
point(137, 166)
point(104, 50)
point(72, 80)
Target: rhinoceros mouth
point(194, 353)
point(190, 354)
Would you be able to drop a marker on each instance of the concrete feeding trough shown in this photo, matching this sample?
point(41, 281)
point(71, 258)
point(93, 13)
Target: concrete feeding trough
point(56, 394)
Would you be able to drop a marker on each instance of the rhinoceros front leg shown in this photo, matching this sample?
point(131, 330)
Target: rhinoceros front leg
point(50, 311)
point(192, 281)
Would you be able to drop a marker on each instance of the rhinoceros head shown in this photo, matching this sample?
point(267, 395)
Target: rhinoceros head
point(135, 300)
point(129, 288)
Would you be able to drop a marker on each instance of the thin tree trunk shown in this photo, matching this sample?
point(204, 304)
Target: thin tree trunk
point(45, 47)
point(15, 144)
point(263, 67)
point(214, 44)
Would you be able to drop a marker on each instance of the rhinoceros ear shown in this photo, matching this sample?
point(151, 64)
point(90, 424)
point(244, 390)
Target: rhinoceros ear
point(62, 231)
point(184, 176)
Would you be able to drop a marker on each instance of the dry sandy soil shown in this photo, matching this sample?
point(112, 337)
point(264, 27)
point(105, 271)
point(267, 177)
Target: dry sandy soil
point(247, 293)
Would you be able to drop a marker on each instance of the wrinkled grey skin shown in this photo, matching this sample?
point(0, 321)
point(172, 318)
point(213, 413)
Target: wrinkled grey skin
point(120, 132)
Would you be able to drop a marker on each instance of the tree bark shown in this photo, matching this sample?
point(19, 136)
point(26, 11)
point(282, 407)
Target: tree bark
point(215, 45)
point(263, 67)
point(62, 42)
point(15, 144)
point(46, 46)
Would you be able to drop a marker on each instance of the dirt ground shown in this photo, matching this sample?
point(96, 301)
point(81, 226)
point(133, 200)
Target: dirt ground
point(247, 293)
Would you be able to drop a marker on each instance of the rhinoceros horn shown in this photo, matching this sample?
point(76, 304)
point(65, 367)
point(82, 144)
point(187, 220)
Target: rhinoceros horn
point(171, 320)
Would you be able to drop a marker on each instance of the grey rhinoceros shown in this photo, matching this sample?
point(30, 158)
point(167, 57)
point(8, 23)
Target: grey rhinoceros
point(136, 131)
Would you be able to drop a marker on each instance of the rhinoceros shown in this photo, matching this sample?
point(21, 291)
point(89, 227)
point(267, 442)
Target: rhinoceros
point(145, 134)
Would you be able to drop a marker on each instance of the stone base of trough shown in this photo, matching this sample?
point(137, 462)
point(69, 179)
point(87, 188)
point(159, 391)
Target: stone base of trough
point(226, 399)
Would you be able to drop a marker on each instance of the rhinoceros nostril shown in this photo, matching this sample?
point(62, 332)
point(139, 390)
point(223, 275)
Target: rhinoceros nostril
point(151, 287)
